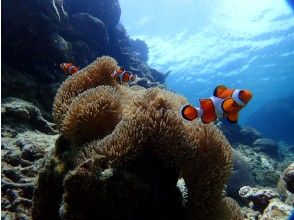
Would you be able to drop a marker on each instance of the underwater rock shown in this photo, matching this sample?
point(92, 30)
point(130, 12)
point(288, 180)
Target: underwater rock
point(286, 182)
point(22, 153)
point(250, 214)
point(94, 33)
point(141, 69)
point(145, 83)
point(249, 135)
point(288, 177)
point(139, 49)
point(241, 175)
point(276, 210)
point(36, 21)
point(61, 47)
point(158, 76)
point(238, 135)
point(266, 170)
point(56, 31)
point(259, 196)
point(126, 56)
point(52, 9)
point(139, 146)
point(267, 146)
point(20, 84)
point(232, 131)
point(106, 10)
point(22, 111)
point(267, 120)
point(32, 152)
point(49, 36)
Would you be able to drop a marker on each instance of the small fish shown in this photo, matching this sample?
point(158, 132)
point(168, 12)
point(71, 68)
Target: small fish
point(69, 68)
point(224, 103)
point(122, 76)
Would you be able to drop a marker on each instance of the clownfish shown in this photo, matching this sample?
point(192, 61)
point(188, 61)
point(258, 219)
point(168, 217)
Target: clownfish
point(69, 68)
point(224, 103)
point(122, 76)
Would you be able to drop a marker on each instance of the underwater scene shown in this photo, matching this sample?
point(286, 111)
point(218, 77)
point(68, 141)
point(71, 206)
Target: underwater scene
point(150, 109)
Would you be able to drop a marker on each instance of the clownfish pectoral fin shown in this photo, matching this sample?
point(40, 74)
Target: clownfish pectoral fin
point(188, 112)
point(229, 105)
point(208, 111)
point(218, 90)
point(233, 117)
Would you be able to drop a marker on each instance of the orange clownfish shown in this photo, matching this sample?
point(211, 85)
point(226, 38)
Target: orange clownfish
point(69, 68)
point(122, 76)
point(224, 103)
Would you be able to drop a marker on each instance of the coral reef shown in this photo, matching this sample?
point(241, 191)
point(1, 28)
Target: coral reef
point(268, 203)
point(266, 170)
point(285, 185)
point(122, 150)
point(288, 177)
point(250, 214)
point(241, 175)
point(23, 148)
point(276, 210)
point(22, 111)
point(260, 197)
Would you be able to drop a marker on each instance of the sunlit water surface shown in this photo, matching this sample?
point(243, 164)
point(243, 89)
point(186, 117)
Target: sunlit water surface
point(242, 44)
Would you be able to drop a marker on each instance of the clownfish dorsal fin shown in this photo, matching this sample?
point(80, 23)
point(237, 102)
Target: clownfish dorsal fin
point(208, 111)
point(205, 103)
point(233, 117)
point(229, 105)
point(219, 90)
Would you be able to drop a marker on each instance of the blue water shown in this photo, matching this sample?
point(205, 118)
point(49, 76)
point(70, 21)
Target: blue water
point(244, 44)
